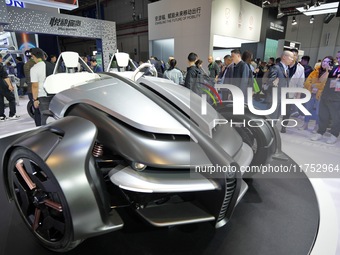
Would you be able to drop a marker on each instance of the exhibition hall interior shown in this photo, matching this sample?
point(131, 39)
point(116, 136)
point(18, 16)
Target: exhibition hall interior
point(169, 127)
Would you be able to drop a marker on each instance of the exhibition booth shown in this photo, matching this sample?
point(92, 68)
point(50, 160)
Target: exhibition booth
point(24, 20)
point(278, 214)
point(177, 27)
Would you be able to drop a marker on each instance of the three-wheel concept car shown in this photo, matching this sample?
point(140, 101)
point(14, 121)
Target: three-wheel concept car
point(127, 140)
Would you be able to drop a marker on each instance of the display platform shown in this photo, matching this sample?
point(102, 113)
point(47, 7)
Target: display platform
point(276, 216)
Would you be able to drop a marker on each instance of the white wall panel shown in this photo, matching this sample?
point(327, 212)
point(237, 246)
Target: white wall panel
point(318, 39)
point(236, 18)
point(188, 22)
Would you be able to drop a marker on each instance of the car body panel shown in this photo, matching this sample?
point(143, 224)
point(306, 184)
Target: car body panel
point(150, 122)
point(122, 102)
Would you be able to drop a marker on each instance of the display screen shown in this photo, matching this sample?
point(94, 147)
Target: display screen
point(271, 48)
point(25, 41)
point(62, 4)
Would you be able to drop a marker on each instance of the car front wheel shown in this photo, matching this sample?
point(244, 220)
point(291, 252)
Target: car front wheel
point(40, 200)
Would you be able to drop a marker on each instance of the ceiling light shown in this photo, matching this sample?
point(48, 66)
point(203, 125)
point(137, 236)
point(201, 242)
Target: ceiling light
point(328, 18)
point(294, 21)
point(280, 14)
point(311, 20)
point(265, 3)
point(321, 9)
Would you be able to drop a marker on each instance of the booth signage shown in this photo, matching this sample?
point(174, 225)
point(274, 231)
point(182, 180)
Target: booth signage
point(65, 24)
point(15, 3)
point(277, 27)
point(178, 16)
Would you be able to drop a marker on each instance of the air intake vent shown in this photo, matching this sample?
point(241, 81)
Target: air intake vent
point(230, 188)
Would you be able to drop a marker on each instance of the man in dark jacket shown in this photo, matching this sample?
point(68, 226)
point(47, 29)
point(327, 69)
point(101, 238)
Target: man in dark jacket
point(27, 68)
point(213, 68)
point(6, 90)
point(94, 66)
point(193, 75)
point(21, 75)
point(305, 63)
point(158, 65)
point(279, 77)
point(241, 71)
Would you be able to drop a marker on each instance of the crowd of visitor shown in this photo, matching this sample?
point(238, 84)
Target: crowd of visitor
point(238, 68)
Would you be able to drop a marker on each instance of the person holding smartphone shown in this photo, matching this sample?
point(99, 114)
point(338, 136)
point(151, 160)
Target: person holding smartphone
point(329, 111)
point(315, 83)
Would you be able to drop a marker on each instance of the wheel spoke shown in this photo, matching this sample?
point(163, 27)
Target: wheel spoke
point(27, 164)
point(54, 205)
point(36, 219)
point(38, 197)
point(39, 177)
point(21, 192)
point(24, 175)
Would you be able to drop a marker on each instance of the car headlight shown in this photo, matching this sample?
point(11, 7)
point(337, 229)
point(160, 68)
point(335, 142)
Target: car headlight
point(138, 166)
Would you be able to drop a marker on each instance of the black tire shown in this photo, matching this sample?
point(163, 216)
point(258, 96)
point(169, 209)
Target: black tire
point(260, 139)
point(256, 139)
point(30, 109)
point(40, 201)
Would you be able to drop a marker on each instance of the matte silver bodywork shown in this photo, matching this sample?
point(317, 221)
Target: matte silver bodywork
point(163, 151)
point(72, 138)
point(160, 181)
point(110, 110)
point(120, 101)
point(109, 96)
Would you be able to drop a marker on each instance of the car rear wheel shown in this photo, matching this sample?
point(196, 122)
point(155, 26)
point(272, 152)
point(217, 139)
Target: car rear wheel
point(259, 135)
point(30, 109)
point(40, 200)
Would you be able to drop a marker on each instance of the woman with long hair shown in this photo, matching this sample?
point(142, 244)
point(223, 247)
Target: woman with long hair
point(315, 86)
point(173, 73)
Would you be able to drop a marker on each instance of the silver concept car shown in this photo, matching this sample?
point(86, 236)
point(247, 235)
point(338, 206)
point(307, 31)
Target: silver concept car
point(140, 142)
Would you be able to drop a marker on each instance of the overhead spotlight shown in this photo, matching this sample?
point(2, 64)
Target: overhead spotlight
point(328, 18)
point(280, 14)
point(294, 21)
point(317, 4)
point(311, 20)
point(265, 3)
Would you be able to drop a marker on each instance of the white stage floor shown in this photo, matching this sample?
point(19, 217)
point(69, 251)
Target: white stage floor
point(297, 145)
